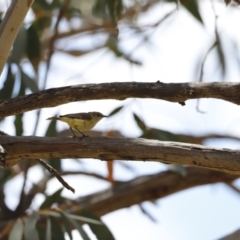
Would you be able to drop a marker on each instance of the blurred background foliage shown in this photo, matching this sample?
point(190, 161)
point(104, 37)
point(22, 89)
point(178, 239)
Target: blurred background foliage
point(50, 23)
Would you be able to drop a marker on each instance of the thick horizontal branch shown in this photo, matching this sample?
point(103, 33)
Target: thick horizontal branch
point(149, 188)
point(173, 92)
point(105, 148)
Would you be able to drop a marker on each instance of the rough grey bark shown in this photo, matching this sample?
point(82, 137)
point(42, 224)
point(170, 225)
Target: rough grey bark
point(173, 92)
point(149, 188)
point(104, 148)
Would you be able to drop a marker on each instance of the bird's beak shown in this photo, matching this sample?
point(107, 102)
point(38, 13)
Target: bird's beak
point(105, 116)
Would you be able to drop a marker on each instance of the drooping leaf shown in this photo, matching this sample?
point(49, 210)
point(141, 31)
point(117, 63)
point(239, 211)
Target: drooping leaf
point(80, 229)
point(48, 230)
point(101, 232)
point(57, 232)
point(17, 230)
point(100, 9)
point(72, 12)
point(29, 82)
point(5, 176)
point(115, 111)
point(53, 198)
point(139, 122)
point(30, 231)
point(147, 213)
point(52, 132)
point(108, 9)
point(6, 91)
point(115, 8)
point(192, 7)
point(33, 46)
point(66, 224)
point(19, 46)
point(227, 1)
point(18, 122)
point(40, 5)
point(41, 232)
point(221, 56)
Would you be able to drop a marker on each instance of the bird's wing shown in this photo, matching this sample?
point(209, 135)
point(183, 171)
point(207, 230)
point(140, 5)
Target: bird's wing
point(84, 116)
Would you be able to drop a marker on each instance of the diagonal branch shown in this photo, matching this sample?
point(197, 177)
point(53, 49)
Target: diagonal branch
point(149, 188)
point(173, 92)
point(18, 148)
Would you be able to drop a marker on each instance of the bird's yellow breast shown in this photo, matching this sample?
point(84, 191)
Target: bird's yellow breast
point(80, 124)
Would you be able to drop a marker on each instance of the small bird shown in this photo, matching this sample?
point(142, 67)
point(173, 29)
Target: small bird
point(80, 121)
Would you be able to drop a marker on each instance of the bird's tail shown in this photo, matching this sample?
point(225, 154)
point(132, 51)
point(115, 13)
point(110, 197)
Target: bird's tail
point(53, 118)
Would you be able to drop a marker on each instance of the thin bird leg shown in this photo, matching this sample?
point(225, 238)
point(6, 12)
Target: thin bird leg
point(83, 135)
point(73, 132)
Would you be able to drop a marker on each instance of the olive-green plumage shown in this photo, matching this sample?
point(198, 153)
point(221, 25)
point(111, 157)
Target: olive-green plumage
point(80, 121)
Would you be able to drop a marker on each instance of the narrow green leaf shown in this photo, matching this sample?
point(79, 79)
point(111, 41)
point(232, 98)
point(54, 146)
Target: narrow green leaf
point(33, 46)
point(221, 57)
point(6, 91)
point(30, 231)
point(52, 129)
point(55, 4)
point(54, 198)
point(192, 7)
point(76, 217)
point(57, 232)
point(19, 46)
point(29, 82)
point(101, 231)
point(139, 122)
point(41, 232)
point(17, 230)
point(22, 88)
point(18, 122)
point(80, 229)
point(227, 1)
point(52, 132)
point(66, 223)
point(115, 111)
point(48, 230)
point(72, 12)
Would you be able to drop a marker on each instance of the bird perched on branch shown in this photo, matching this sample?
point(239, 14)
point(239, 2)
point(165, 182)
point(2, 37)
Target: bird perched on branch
point(80, 121)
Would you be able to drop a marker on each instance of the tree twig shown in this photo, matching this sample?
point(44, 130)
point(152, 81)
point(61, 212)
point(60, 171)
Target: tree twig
point(56, 174)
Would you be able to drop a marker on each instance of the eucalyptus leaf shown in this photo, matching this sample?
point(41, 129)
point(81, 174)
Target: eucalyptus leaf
point(101, 232)
point(54, 198)
point(29, 82)
point(33, 46)
point(192, 7)
point(48, 230)
point(17, 230)
point(80, 229)
point(30, 231)
point(66, 223)
point(57, 232)
point(115, 111)
point(19, 46)
point(7, 90)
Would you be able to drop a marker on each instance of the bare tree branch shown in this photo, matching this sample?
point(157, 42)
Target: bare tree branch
point(173, 92)
point(10, 26)
point(149, 188)
point(232, 236)
point(18, 148)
